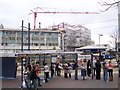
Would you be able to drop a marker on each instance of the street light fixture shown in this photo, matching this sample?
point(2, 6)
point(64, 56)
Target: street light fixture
point(116, 46)
point(99, 38)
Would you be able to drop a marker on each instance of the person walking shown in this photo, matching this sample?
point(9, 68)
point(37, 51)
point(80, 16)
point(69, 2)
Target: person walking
point(98, 70)
point(110, 70)
point(46, 72)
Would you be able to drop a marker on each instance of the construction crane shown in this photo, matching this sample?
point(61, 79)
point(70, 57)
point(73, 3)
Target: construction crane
point(54, 12)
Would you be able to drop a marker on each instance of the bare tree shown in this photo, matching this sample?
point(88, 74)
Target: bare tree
point(109, 5)
point(71, 40)
point(1, 26)
point(114, 35)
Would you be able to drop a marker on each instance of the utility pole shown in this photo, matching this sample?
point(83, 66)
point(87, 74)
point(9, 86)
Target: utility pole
point(118, 43)
point(39, 44)
point(28, 36)
point(22, 57)
point(39, 34)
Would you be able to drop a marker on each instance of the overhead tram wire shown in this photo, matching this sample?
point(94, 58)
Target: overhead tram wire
point(101, 21)
point(104, 27)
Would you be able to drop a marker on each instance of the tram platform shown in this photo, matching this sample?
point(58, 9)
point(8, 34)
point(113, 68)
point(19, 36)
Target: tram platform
point(61, 82)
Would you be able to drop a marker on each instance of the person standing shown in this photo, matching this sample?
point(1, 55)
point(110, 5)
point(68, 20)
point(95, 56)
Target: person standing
point(58, 68)
point(110, 70)
point(119, 68)
point(105, 71)
point(65, 66)
point(46, 72)
point(88, 68)
point(52, 69)
point(37, 73)
point(33, 77)
point(94, 67)
point(83, 69)
point(98, 70)
point(69, 69)
point(29, 66)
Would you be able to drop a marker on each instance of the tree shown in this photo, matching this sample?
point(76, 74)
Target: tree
point(114, 35)
point(1, 26)
point(71, 40)
point(109, 5)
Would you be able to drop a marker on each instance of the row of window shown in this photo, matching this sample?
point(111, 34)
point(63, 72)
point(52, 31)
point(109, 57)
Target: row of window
point(33, 44)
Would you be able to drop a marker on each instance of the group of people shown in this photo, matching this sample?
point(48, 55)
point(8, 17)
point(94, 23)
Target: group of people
point(89, 68)
point(31, 75)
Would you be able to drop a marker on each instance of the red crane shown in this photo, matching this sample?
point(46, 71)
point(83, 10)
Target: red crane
point(55, 12)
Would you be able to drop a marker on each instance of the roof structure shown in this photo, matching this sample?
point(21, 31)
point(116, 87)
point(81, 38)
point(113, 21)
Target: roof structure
point(92, 47)
point(20, 54)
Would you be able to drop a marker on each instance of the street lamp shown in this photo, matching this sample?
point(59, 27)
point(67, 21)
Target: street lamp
point(116, 46)
point(99, 38)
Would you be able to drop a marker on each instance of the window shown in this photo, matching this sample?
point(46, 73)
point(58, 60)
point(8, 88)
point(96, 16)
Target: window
point(42, 44)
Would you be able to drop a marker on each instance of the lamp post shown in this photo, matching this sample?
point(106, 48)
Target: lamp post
point(116, 45)
point(99, 38)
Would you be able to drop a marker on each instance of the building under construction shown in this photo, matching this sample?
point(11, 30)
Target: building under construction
point(74, 35)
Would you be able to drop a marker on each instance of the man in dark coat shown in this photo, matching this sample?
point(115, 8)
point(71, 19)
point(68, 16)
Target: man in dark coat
point(33, 75)
point(98, 70)
point(88, 68)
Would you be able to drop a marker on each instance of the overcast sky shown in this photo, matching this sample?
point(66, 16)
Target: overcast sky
point(12, 12)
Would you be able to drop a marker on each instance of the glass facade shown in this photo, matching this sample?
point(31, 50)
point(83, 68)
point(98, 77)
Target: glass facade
point(10, 40)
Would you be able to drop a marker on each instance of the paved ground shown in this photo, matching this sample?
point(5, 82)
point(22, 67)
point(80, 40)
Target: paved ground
point(61, 82)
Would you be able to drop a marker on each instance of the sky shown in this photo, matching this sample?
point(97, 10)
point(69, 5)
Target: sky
point(12, 12)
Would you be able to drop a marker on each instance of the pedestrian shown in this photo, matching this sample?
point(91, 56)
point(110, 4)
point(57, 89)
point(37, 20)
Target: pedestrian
point(46, 72)
point(94, 67)
point(98, 70)
point(88, 68)
point(119, 68)
point(29, 66)
point(110, 70)
point(33, 74)
point(65, 66)
point(37, 73)
point(83, 69)
point(52, 69)
point(33, 77)
point(69, 69)
point(105, 71)
point(58, 67)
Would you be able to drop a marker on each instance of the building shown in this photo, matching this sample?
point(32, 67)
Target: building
point(11, 41)
point(74, 36)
